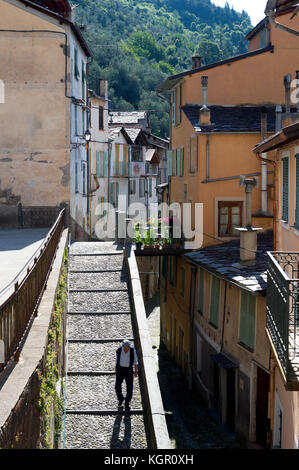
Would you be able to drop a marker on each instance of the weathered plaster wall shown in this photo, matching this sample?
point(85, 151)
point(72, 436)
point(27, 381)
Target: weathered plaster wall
point(34, 142)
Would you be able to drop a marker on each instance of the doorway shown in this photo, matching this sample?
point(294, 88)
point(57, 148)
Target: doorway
point(231, 398)
point(262, 407)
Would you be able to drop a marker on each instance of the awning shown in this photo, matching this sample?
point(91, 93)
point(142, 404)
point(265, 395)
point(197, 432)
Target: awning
point(224, 361)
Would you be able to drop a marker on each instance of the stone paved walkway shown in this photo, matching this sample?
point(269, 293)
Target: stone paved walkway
point(99, 317)
point(190, 424)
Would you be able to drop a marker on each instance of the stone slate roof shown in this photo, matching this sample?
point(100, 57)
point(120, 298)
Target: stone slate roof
point(224, 261)
point(232, 118)
point(126, 117)
point(132, 132)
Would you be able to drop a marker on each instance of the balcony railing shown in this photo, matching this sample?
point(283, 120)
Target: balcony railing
point(283, 312)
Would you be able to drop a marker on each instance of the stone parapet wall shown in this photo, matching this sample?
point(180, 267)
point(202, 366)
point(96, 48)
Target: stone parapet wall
point(21, 416)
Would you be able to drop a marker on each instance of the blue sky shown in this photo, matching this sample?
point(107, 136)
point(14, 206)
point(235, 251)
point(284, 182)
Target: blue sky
point(255, 8)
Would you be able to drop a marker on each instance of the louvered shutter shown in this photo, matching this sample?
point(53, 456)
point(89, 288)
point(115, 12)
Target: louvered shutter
point(169, 161)
point(178, 162)
point(247, 319)
point(98, 163)
point(105, 164)
point(285, 189)
point(215, 292)
point(297, 191)
point(174, 107)
point(182, 162)
point(201, 291)
point(174, 163)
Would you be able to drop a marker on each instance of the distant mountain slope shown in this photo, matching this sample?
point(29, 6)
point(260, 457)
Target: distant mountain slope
point(137, 44)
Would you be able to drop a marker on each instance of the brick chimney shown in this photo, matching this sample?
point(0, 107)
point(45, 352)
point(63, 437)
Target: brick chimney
point(204, 113)
point(248, 234)
point(196, 62)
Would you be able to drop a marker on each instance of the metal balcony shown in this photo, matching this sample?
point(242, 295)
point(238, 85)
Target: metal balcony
point(283, 313)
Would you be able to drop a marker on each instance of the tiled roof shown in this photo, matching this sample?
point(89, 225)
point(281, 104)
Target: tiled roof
point(232, 118)
point(224, 260)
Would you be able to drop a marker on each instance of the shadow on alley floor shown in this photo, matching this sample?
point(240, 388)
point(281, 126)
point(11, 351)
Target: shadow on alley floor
point(190, 424)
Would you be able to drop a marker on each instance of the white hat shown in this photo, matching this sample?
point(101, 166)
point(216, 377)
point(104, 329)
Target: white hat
point(126, 343)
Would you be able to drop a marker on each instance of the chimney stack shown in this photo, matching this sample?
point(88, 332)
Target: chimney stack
point(204, 113)
point(278, 118)
point(287, 84)
point(103, 86)
point(248, 234)
point(196, 62)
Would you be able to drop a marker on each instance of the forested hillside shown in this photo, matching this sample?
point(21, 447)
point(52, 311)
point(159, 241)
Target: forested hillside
point(136, 45)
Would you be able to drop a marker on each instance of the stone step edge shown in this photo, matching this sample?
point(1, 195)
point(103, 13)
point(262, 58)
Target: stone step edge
point(104, 412)
point(90, 373)
point(110, 253)
point(95, 271)
point(124, 312)
point(97, 290)
point(98, 340)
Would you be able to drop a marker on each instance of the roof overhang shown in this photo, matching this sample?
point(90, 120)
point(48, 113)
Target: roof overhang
point(286, 135)
point(61, 17)
point(173, 80)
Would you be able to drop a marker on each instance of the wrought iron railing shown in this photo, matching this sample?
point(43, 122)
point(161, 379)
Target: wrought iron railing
point(18, 310)
point(283, 309)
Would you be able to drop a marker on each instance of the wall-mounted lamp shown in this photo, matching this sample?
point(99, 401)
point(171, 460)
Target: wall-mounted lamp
point(87, 135)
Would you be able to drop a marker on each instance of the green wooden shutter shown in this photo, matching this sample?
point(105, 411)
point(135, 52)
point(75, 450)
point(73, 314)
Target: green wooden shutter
point(297, 191)
point(98, 163)
point(201, 291)
point(76, 119)
point(150, 187)
point(178, 162)
point(182, 162)
point(247, 320)
point(285, 189)
point(178, 105)
point(174, 164)
point(169, 161)
point(214, 308)
point(105, 164)
point(83, 81)
point(83, 122)
point(174, 107)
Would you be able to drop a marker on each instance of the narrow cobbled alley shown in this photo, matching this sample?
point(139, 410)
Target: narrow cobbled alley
point(190, 424)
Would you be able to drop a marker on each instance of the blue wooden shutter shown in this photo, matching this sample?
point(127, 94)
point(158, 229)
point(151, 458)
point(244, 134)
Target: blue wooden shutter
point(297, 191)
point(285, 189)
point(214, 307)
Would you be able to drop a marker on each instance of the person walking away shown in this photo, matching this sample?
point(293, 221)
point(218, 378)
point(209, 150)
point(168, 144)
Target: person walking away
point(126, 358)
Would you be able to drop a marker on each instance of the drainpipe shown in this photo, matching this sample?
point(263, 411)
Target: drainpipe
point(264, 166)
point(208, 158)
